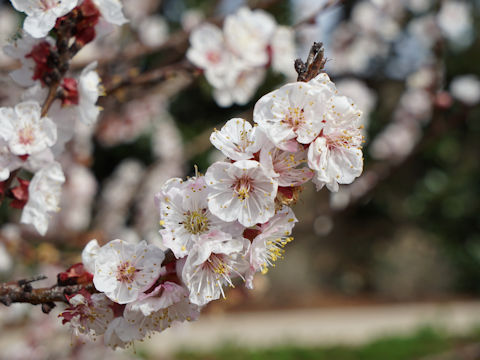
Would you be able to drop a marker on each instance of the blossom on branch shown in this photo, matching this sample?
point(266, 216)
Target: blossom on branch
point(241, 191)
point(42, 14)
point(123, 271)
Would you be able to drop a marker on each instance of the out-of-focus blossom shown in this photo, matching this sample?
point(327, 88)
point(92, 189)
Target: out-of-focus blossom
point(239, 87)
point(396, 141)
point(42, 14)
point(22, 49)
point(111, 11)
point(43, 197)
point(5, 259)
point(365, 98)
point(248, 33)
point(89, 89)
point(153, 31)
point(455, 20)
point(466, 88)
point(192, 18)
point(283, 52)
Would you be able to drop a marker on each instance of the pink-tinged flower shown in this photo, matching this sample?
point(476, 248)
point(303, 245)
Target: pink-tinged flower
point(123, 271)
point(267, 246)
point(288, 169)
point(22, 49)
point(158, 310)
point(185, 215)
point(89, 254)
point(44, 196)
point(248, 34)
point(42, 14)
point(237, 139)
point(211, 264)
point(207, 51)
point(294, 113)
point(241, 191)
point(24, 130)
point(88, 314)
point(336, 155)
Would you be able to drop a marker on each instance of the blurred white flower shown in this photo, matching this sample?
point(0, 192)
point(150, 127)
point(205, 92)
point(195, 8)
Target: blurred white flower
point(455, 21)
point(43, 197)
point(111, 11)
point(153, 31)
point(466, 88)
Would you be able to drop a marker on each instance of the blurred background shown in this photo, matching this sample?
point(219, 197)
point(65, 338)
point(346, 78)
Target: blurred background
point(387, 268)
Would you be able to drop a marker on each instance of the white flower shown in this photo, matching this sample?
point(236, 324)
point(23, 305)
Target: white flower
point(248, 34)
point(25, 131)
point(111, 11)
point(207, 51)
point(242, 191)
point(466, 88)
point(239, 85)
point(119, 326)
point(267, 246)
point(19, 49)
point(89, 254)
point(283, 52)
point(43, 197)
point(153, 31)
point(42, 14)
point(158, 310)
point(289, 169)
point(237, 139)
point(295, 112)
point(336, 155)
point(185, 215)
point(89, 89)
point(455, 21)
point(211, 264)
point(88, 314)
point(123, 271)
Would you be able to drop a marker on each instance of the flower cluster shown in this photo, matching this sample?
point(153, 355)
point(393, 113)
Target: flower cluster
point(235, 59)
point(33, 136)
point(223, 227)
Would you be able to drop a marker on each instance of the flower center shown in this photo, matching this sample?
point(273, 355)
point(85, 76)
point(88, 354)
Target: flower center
point(46, 5)
point(196, 222)
point(213, 57)
point(126, 272)
point(243, 187)
point(217, 265)
point(26, 135)
point(294, 117)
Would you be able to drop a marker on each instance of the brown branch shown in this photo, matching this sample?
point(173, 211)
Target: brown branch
point(21, 291)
